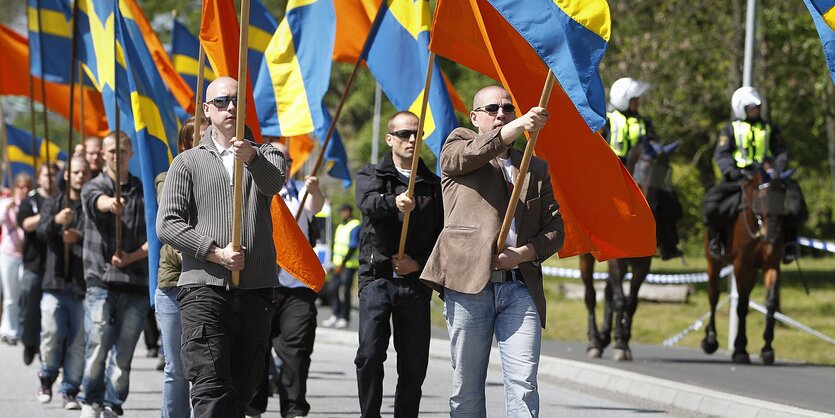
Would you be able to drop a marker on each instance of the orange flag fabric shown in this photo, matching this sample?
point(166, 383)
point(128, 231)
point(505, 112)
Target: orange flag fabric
point(14, 81)
point(604, 211)
point(179, 88)
point(220, 35)
point(292, 250)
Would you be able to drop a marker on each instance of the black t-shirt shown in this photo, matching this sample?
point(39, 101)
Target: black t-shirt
point(34, 250)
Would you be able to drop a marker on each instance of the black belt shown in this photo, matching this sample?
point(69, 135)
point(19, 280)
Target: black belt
point(501, 276)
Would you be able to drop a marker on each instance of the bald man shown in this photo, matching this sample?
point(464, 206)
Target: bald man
point(488, 294)
point(226, 330)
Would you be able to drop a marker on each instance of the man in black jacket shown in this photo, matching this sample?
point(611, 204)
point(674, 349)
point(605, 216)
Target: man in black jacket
point(62, 305)
point(388, 286)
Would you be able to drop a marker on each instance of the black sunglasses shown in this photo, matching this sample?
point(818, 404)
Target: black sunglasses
point(222, 102)
point(494, 108)
point(404, 133)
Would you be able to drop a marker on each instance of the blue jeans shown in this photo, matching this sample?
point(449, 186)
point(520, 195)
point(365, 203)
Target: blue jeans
point(506, 310)
point(175, 401)
point(113, 321)
point(62, 338)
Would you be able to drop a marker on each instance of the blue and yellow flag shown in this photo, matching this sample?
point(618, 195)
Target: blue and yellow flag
point(571, 37)
point(185, 50)
point(295, 77)
point(146, 109)
point(50, 39)
point(262, 26)
point(823, 13)
point(398, 56)
point(21, 156)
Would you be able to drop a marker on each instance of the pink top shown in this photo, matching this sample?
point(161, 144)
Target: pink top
point(12, 240)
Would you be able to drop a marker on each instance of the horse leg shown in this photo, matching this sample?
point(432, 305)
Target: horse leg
point(605, 333)
point(617, 270)
point(772, 302)
point(640, 270)
point(710, 343)
point(744, 284)
point(595, 348)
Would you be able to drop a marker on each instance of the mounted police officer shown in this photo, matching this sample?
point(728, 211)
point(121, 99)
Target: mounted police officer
point(626, 129)
point(747, 141)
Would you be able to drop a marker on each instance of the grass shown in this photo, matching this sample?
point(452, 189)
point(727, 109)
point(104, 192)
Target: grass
point(655, 322)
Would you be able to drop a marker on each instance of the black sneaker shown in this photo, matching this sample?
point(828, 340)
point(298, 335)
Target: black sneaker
point(790, 252)
point(29, 353)
point(71, 402)
point(45, 390)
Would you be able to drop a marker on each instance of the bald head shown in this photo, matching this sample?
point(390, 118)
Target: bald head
point(221, 106)
point(488, 95)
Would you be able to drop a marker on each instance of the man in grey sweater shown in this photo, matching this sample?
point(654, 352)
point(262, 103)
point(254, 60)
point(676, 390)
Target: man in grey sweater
point(225, 330)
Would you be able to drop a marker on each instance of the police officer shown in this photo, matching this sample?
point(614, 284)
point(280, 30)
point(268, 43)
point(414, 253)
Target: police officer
point(345, 260)
point(625, 130)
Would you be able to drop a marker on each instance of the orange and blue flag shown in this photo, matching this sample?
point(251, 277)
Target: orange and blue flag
point(397, 53)
point(823, 13)
point(295, 76)
point(21, 155)
point(185, 50)
point(604, 211)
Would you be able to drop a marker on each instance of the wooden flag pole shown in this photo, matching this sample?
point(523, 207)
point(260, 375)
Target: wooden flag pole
point(68, 168)
point(410, 192)
point(237, 204)
point(523, 168)
point(43, 97)
point(118, 133)
point(4, 142)
point(81, 129)
point(198, 95)
point(321, 157)
point(32, 108)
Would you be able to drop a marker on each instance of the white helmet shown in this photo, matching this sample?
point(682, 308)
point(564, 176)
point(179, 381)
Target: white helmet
point(742, 98)
point(625, 89)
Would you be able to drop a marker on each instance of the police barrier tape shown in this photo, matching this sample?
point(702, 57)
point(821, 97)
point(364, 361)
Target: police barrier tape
point(685, 278)
point(816, 243)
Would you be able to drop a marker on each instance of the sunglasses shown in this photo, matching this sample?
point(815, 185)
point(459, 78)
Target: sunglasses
point(494, 108)
point(222, 102)
point(404, 133)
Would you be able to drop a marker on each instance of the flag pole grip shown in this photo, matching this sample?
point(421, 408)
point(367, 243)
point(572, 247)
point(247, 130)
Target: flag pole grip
point(237, 193)
point(523, 168)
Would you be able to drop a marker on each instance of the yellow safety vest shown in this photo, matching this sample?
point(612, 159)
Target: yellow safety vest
point(752, 143)
point(624, 132)
point(341, 241)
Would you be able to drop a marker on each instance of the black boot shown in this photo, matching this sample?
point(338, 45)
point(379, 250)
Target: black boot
point(715, 244)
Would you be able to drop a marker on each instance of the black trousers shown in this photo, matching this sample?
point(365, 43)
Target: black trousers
point(151, 331)
point(405, 303)
point(293, 332)
point(224, 346)
point(30, 308)
point(341, 296)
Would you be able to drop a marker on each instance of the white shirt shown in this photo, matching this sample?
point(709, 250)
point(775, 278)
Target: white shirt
point(292, 201)
point(507, 171)
point(405, 172)
point(226, 157)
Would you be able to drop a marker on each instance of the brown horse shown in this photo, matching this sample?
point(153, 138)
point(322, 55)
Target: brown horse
point(652, 174)
point(755, 243)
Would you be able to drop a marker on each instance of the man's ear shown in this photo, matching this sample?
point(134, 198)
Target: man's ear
point(206, 112)
point(474, 119)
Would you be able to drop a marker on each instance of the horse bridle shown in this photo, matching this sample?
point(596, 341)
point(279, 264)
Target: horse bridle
point(758, 234)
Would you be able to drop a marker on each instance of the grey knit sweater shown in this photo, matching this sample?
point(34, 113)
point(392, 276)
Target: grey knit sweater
point(195, 212)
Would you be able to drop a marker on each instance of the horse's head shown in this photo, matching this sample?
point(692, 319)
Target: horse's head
point(652, 170)
point(765, 188)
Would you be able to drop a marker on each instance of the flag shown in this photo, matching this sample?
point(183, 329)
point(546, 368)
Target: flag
point(262, 26)
point(604, 211)
point(21, 155)
point(147, 111)
point(397, 54)
point(220, 36)
point(185, 54)
point(50, 39)
point(293, 252)
point(14, 81)
point(290, 90)
point(823, 13)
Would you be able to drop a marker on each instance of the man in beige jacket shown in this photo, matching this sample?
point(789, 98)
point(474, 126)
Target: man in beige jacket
point(486, 291)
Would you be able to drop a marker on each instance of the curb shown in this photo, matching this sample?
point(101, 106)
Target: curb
point(665, 392)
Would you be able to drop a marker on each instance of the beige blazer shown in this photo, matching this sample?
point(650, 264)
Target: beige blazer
point(476, 196)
